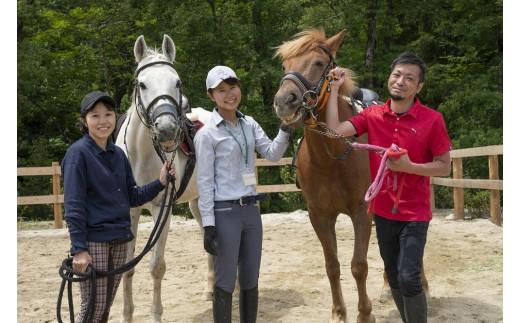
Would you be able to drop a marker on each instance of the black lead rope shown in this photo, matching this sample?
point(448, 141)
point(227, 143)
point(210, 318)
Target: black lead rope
point(67, 273)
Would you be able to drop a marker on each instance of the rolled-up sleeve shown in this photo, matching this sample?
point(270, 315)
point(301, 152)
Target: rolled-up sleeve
point(205, 154)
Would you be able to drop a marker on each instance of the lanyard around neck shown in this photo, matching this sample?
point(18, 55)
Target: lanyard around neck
point(246, 155)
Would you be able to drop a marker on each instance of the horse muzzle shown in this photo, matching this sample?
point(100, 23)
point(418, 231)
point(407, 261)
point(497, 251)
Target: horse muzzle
point(166, 127)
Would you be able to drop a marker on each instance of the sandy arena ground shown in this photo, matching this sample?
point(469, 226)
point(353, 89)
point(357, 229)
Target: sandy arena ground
point(463, 262)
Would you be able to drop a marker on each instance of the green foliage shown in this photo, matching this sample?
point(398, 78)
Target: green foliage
point(477, 203)
point(68, 48)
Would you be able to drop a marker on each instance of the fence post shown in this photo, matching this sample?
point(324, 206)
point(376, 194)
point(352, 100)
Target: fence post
point(58, 221)
point(494, 195)
point(458, 192)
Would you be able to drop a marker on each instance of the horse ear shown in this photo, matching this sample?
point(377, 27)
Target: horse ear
point(168, 48)
point(140, 49)
point(333, 42)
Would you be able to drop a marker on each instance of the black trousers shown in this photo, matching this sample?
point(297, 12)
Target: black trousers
point(401, 245)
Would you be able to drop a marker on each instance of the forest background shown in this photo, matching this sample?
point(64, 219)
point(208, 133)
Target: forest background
point(66, 49)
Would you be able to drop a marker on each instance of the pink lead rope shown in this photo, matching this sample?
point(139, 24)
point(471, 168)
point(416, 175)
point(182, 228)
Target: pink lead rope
point(393, 152)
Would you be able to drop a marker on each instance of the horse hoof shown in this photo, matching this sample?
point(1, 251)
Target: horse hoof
point(386, 295)
point(338, 320)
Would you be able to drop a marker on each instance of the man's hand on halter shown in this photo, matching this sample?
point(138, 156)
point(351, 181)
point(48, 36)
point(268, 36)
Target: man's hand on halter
point(338, 76)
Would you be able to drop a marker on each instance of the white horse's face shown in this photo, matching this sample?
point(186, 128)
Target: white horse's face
point(158, 92)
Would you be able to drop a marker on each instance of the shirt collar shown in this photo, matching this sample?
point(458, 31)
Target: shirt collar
point(218, 118)
point(412, 112)
point(95, 146)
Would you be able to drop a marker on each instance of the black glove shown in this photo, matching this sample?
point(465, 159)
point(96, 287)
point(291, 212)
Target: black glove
point(210, 240)
point(286, 128)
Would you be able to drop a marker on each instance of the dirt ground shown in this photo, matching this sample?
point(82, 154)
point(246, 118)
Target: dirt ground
point(463, 262)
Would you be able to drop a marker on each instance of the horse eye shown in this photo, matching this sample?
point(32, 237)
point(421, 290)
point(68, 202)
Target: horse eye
point(283, 68)
point(142, 86)
point(179, 83)
point(320, 64)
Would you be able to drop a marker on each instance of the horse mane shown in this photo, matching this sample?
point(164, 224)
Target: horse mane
point(152, 54)
point(309, 40)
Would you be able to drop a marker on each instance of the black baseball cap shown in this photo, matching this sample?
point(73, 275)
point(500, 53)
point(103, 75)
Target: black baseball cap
point(93, 97)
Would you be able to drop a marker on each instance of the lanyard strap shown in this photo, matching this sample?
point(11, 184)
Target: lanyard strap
point(246, 155)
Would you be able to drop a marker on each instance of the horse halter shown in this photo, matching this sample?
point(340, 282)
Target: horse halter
point(148, 117)
point(312, 96)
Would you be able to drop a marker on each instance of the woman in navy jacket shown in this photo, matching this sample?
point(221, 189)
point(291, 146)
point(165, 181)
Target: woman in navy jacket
point(99, 190)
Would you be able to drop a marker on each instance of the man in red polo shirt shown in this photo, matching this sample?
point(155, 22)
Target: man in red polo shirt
point(405, 122)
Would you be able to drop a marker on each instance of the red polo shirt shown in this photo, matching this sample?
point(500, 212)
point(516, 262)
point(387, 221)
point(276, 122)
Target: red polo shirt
point(423, 133)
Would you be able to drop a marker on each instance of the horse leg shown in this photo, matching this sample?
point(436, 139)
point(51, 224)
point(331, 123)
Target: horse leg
point(128, 302)
point(325, 228)
point(359, 266)
point(208, 291)
point(158, 268)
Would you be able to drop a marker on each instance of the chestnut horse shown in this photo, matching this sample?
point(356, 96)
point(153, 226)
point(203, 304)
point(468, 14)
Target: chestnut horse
point(343, 173)
point(330, 185)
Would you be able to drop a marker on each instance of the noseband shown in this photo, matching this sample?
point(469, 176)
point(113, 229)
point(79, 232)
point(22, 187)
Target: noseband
point(312, 96)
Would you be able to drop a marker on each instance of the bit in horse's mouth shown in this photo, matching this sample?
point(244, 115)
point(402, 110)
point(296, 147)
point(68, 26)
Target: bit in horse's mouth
point(169, 146)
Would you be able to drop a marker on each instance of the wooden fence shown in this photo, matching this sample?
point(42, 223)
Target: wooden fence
point(494, 184)
point(56, 198)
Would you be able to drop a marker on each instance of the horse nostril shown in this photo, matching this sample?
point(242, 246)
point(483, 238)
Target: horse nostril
point(292, 98)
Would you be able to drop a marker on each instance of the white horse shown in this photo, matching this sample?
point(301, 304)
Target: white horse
point(156, 111)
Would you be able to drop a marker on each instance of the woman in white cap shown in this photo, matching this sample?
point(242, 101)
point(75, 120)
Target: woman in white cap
point(225, 149)
point(99, 190)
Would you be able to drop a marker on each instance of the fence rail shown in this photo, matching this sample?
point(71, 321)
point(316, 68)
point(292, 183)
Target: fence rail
point(494, 184)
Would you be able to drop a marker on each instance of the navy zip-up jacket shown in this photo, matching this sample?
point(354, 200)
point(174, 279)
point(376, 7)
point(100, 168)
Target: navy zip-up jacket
point(99, 190)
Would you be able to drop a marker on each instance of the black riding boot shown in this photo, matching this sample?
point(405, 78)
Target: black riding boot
point(399, 302)
point(248, 305)
point(416, 308)
point(221, 305)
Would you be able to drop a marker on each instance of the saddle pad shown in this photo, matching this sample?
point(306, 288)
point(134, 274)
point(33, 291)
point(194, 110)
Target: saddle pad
point(184, 145)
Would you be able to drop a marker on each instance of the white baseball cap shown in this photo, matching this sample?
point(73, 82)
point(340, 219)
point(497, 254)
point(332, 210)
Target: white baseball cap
point(218, 74)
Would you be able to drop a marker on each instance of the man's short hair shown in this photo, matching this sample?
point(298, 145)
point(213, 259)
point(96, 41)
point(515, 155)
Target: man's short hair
point(410, 58)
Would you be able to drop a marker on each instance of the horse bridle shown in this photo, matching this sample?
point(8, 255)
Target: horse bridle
point(148, 118)
point(314, 99)
point(313, 95)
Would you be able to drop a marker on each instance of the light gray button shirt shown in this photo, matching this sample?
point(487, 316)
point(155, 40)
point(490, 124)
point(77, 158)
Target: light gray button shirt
point(221, 162)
